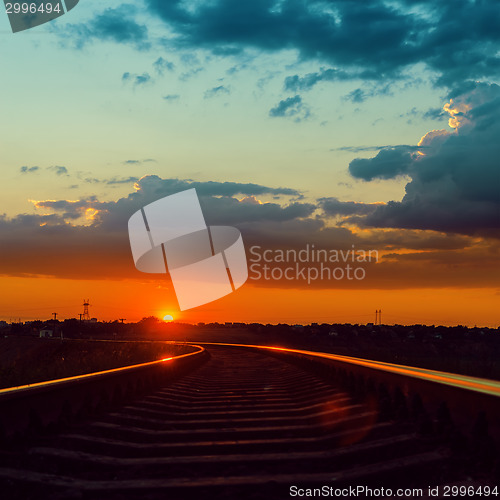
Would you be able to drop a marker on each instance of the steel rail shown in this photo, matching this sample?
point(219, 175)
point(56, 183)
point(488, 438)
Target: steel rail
point(254, 420)
point(40, 404)
point(468, 399)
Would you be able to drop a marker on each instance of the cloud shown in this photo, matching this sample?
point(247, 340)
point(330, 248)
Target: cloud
point(160, 65)
point(171, 97)
point(313, 28)
point(356, 96)
point(155, 186)
point(296, 83)
point(137, 80)
point(48, 245)
point(218, 196)
point(434, 114)
point(216, 91)
point(455, 180)
point(139, 162)
point(189, 74)
point(28, 170)
point(360, 95)
point(114, 25)
point(291, 107)
point(333, 207)
point(87, 238)
point(374, 40)
point(229, 210)
point(387, 164)
point(58, 170)
point(121, 180)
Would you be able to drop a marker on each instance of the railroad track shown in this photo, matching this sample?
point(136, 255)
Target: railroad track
point(247, 423)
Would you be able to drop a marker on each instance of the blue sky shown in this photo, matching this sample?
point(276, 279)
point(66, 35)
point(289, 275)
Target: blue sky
point(135, 88)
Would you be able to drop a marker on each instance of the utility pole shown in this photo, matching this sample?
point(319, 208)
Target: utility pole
point(55, 316)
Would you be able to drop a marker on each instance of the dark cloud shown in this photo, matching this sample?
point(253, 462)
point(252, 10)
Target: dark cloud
point(155, 187)
point(360, 95)
point(217, 198)
point(353, 34)
point(171, 97)
point(161, 65)
point(464, 41)
point(59, 170)
point(230, 211)
point(408, 239)
point(356, 96)
point(113, 24)
point(434, 114)
point(189, 74)
point(137, 80)
point(91, 235)
point(455, 184)
point(334, 207)
point(68, 210)
point(87, 238)
point(49, 245)
point(389, 163)
point(28, 170)
point(139, 162)
point(430, 114)
point(121, 180)
point(296, 83)
point(291, 107)
point(216, 91)
point(227, 51)
point(374, 40)
point(91, 180)
point(216, 195)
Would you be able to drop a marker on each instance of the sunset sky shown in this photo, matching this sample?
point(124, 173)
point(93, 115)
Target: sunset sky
point(340, 124)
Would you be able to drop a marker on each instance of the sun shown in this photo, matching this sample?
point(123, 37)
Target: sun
point(168, 317)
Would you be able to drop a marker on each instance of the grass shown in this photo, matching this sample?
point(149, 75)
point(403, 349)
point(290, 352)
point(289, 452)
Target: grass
point(30, 360)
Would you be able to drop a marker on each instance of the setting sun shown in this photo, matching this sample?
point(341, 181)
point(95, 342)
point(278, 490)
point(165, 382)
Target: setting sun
point(168, 317)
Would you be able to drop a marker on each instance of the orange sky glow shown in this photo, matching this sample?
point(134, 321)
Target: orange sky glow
point(38, 298)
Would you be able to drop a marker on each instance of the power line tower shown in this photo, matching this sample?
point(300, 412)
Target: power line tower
point(85, 316)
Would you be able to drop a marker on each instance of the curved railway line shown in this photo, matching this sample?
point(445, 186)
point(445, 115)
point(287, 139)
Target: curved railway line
point(250, 422)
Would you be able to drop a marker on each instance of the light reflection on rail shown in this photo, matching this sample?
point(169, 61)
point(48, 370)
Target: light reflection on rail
point(95, 374)
point(490, 387)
